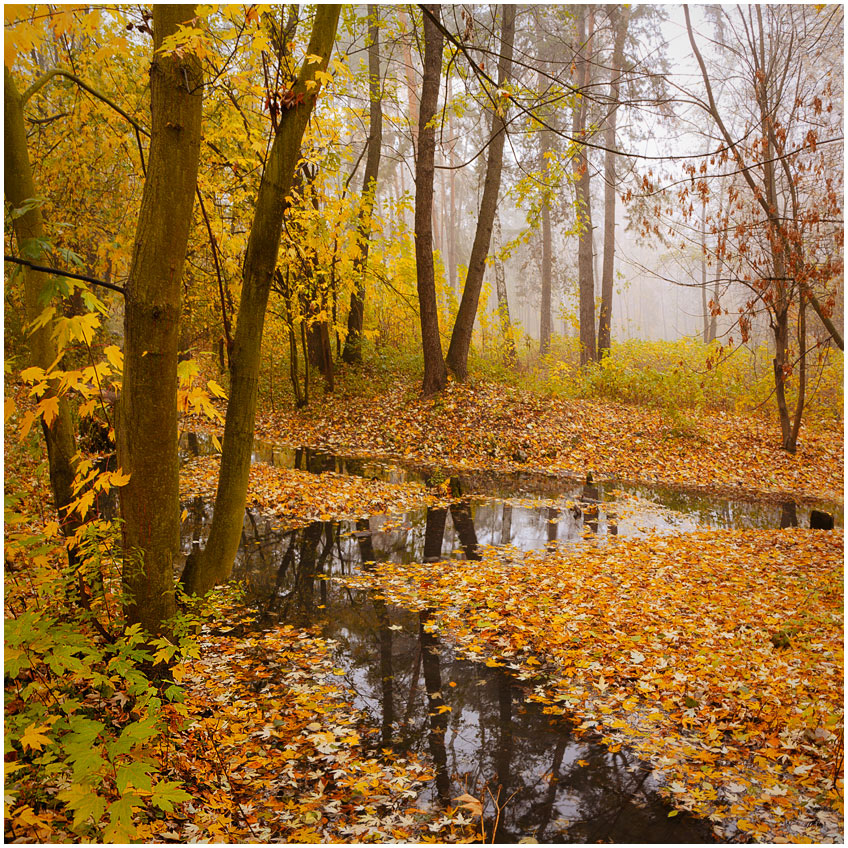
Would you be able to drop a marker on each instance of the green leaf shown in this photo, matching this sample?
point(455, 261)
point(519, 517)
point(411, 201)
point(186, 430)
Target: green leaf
point(136, 775)
point(84, 802)
point(120, 827)
point(166, 793)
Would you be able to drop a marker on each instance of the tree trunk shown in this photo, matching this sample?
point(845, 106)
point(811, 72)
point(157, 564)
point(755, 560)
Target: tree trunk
point(547, 259)
point(457, 358)
point(216, 561)
point(583, 195)
point(618, 19)
point(147, 431)
point(503, 300)
point(453, 222)
point(353, 342)
point(435, 373)
point(704, 305)
point(29, 233)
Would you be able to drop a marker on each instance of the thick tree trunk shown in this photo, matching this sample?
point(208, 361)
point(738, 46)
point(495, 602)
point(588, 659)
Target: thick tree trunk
point(435, 373)
point(29, 233)
point(584, 200)
point(618, 19)
point(457, 358)
point(147, 431)
point(353, 342)
point(215, 563)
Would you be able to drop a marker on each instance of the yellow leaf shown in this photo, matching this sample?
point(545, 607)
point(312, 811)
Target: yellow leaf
point(216, 389)
point(49, 409)
point(118, 479)
point(115, 357)
point(33, 737)
point(8, 408)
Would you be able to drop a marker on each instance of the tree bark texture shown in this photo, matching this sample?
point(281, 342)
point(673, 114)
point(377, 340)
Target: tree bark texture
point(353, 342)
point(147, 431)
point(215, 563)
point(460, 343)
point(435, 373)
point(29, 231)
point(584, 198)
point(618, 19)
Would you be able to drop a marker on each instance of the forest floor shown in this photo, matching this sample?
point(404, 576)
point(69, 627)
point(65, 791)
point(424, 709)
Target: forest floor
point(487, 425)
point(715, 656)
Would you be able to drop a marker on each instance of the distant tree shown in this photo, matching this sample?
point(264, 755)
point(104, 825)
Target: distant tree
point(782, 227)
point(353, 342)
point(619, 16)
point(457, 358)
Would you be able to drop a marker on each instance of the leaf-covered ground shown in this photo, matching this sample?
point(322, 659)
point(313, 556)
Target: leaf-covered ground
point(487, 425)
point(299, 497)
point(718, 656)
point(273, 751)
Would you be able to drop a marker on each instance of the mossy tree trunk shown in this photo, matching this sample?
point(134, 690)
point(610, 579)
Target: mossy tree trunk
point(214, 564)
point(147, 430)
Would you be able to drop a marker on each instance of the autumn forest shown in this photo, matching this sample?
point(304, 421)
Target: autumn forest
point(423, 423)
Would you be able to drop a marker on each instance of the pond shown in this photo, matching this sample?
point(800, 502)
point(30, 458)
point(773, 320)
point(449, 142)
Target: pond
point(478, 725)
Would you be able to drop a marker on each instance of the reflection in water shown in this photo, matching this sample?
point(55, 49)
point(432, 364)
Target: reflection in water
point(473, 722)
point(788, 515)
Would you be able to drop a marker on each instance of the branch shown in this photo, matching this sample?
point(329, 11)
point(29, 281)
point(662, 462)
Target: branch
point(59, 273)
point(59, 72)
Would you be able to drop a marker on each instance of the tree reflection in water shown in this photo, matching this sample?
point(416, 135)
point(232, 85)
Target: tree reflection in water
point(473, 722)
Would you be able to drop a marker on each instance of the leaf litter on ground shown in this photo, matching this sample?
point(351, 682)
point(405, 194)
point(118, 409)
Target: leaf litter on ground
point(716, 655)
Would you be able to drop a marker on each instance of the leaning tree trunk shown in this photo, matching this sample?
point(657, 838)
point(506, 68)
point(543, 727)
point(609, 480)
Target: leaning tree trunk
point(618, 19)
point(583, 192)
point(29, 233)
point(147, 431)
point(353, 343)
point(214, 564)
point(435, 373)
point(457, 358)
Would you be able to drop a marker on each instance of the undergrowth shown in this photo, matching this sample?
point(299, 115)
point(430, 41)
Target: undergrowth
point(669, 376)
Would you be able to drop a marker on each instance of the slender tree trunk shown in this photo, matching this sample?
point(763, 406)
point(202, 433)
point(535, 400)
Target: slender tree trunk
point(29, 234)
point(412, 96)
point(147, 431)
point(460, 343)
point(704, 305)
point(618, 19)
point(216, 561)
point(353, 342)
point(547, 260)
point(503, 300)
point(584, 199)
point(435, 373)
point(452, 222)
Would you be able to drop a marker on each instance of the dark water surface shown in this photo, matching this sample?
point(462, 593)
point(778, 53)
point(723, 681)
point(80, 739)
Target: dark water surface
point(475, 723)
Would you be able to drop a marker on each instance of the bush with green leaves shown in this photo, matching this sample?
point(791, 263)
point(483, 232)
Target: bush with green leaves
point(85, 719)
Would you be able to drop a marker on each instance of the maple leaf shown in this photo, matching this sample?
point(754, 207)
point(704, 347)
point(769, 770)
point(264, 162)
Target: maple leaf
point(33, 737)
